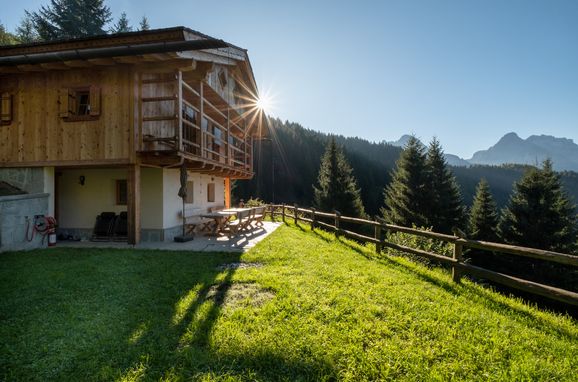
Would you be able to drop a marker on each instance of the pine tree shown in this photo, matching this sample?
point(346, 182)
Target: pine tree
point(6, 38)
point(407, 197)
point(25, 32)
point(144, 24)
point(483, 219)
point(539, 213)
point(63, 19)
point(336, 185)
point(446, 207)
point(122, 25)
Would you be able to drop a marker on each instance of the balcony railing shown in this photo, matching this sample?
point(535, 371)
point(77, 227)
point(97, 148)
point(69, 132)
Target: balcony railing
point(191, 119)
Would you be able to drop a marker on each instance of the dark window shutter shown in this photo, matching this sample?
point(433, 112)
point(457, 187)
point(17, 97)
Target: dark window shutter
point(63, 103)
point(6, 109)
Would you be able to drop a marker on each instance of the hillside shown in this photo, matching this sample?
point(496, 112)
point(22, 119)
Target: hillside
point(305, 307)
point(287, 166)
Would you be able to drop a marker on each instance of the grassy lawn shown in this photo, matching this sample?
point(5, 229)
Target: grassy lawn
point(316, 309)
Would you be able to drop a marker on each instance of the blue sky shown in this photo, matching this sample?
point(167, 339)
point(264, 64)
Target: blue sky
point(465, 71)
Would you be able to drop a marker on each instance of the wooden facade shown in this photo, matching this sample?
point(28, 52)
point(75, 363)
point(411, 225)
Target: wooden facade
point(101, 102)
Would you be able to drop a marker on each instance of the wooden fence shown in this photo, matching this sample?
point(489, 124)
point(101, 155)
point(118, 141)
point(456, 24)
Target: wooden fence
point(459, 267)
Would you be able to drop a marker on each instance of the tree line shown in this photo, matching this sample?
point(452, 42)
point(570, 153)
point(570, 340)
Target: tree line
point(66, 19)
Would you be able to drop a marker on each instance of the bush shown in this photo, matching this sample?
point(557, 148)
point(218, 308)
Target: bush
point(419, 242)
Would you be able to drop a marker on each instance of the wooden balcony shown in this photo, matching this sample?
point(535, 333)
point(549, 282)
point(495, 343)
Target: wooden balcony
point(185, 120)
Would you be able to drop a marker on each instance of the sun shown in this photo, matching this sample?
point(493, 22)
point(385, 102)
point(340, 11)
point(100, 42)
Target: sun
point(263, 103)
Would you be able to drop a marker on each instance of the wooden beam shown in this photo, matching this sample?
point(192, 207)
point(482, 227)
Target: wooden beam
point(227, 192)
point(55, 66)
point(102, 61)
point(78, 64)
point(69, 163)
point(133, 203)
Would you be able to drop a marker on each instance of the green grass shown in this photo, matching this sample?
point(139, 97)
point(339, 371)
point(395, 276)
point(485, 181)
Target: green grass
point(317, 309)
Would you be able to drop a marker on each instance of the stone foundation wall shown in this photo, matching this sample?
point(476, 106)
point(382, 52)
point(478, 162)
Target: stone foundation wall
point(15, 212)
point(28, 179)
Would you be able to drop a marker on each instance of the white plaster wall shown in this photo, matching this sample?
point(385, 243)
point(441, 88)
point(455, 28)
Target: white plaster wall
point(173, 204)
point(79, 205)
point(49, 188)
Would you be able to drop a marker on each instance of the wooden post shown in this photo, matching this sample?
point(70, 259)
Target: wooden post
point(337, 218)
point(295, 213)
point(378, 246)
point(179, 109)
point(312, 218)
point(227, 192)
point(456, 276)
point(283, 212)
point(272, 211)
point(133, 203)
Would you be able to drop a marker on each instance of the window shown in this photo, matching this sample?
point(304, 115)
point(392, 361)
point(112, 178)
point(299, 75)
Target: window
point(223, 78)
point(190, 199)
point(79, 104)
point(121, 192)
point(6, 109)
point(211, 192)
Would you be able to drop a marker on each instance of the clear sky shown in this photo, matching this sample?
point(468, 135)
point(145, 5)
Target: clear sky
point(466, 71)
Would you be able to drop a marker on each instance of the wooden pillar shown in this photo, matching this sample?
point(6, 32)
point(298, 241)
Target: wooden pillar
point(456, 275)
point(133, 203)
point(227, 192)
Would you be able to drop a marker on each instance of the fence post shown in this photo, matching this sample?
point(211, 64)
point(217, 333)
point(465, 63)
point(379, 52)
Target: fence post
point(337, 218)
point(295, 212)
point(312, 218)
point(456, 276)
point(283, 212)
point(378, 237)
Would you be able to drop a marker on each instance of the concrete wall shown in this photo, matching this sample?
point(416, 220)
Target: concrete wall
point(15, 211)
point(33, 180)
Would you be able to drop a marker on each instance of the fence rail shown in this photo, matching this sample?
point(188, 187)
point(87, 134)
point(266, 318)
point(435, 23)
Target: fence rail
point(459, 267)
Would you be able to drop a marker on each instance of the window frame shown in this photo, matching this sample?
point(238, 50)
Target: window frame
point(211, 193)
point(119, 192)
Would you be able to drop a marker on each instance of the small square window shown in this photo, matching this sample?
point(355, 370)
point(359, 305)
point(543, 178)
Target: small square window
point(121, 192)
point(190, 199)
point(211, 192)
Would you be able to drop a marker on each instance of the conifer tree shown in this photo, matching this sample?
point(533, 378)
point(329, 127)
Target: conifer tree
point(6, 38)
point(483, 219)
point(336, 187)
point(407, 197)
point(70, 19)
point(446, 207)
point(144, 24)
point(539, 213)
point(122, 25)
point(25, 32)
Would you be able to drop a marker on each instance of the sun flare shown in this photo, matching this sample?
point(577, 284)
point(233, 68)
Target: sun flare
point(263, 103)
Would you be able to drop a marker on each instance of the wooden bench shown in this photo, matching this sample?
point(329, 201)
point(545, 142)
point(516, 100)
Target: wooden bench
point(193, 220)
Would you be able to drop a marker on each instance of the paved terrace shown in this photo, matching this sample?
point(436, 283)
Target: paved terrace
point(240, 243)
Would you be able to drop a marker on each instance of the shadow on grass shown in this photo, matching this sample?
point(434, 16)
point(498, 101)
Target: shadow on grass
point(123, 315)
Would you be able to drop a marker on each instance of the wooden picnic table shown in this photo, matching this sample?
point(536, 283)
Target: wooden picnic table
point(221, 218)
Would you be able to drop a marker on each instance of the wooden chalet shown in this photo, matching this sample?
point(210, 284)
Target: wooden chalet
point(108, 121)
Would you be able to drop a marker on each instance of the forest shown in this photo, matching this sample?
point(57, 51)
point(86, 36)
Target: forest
point(287, 165)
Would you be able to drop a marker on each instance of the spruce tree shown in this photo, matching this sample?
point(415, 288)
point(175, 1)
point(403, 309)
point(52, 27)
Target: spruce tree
point(407, 197)
point(336, 187)
point(144, 24)
point(25, 32)
point(446, 207)
point(122, 25)
point(539, 213)
point(63, 19)
point(7, 38)
point(483, 219)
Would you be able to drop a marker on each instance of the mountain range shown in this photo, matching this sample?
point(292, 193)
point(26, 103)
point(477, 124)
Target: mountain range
point(511, 149)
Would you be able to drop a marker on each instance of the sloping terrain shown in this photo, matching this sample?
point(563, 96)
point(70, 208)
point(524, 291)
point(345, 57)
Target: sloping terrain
point(300, 305)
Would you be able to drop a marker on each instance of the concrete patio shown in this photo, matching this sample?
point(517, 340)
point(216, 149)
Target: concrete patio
point(240, 243)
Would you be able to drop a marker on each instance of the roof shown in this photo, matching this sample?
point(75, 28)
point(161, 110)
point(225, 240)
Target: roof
point(176, 39)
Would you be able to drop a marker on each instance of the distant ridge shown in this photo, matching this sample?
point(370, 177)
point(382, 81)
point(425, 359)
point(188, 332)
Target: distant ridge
point(511, 149)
